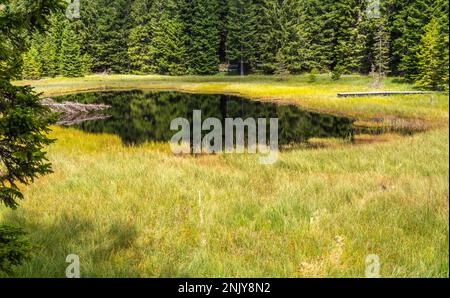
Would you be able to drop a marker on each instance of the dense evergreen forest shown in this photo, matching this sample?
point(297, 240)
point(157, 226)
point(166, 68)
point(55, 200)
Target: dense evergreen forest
point(408, 38)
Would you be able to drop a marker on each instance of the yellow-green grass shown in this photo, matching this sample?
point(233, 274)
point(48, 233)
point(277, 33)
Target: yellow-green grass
point(134, 212)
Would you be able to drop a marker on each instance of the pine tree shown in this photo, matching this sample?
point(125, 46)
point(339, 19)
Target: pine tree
point(167, 51)
point(320, 31)
point(200, 19)
point(140, 35)
point(348, 40)
point(70, 60)
point(106, 26)
point(241, 32)
point(194, 36)
point(52, 46)
point(337, 43)
point(428, 58)
point(407, 19)
point(281, 72)
point(24, 122)
point(32, 67)
point(380, 51)
point(284, 36)
point(442, 17)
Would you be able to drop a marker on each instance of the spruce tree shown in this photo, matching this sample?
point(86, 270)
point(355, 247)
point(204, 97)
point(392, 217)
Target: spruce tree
point(200, 19)
point(319, 16)
point(442, 17)
point(428, 68)
point(281, 72)
point(348, 41)
point(380, 51)
point(284, 37)
point(167, 51)
point(407, 25)
point(337, 43)
point(32, 66)
point(241, 33)
point(194, 36)
point(51, 47)
point(24, 121)
point(106, 27)
point(70, 60)
point(140, 35)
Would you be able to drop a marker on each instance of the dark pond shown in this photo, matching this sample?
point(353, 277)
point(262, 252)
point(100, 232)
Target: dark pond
point(138, 117)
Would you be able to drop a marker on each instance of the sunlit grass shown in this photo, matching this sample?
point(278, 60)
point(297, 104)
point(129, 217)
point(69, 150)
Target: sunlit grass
point(133, 211)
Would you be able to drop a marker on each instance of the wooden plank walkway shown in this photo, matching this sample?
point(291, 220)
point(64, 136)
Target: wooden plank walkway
point(382, 93)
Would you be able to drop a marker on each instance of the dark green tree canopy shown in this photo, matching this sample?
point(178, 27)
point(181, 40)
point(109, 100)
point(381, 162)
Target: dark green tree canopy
point(23, 120)
point(178, 37)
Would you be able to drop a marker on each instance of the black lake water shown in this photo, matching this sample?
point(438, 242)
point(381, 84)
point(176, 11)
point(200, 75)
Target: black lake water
point(138, 117)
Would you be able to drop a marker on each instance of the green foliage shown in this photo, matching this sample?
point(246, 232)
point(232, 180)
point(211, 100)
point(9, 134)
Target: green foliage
point(380, 48)
point(32, 66)
point(241, 33)
point(14, 248)
point(23, 120)
point(334, 28)
point(157, 42)
point(442, 17)
point(284, 35)
point(105, 27)
point(313, 75)
point(138, 49)
point(201, 25)
point(281, 71)
point(23, 134)
point(337, 73)
point(347, 39)
point(15, 18)
point(71, 59)
point(51, 47)
point(86, 64)
point(408, 19)
point(57, 52)
point(140, 35)
point(167, 51)
point(428, 55)
point(179, 37)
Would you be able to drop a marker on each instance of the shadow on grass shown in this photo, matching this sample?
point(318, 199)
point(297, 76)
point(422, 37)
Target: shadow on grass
point(95, 244)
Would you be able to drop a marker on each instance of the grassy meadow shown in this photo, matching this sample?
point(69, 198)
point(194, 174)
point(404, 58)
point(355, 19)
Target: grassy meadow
point(134, 211)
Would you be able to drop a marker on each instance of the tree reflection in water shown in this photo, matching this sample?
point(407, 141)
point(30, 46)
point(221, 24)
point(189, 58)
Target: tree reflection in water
point(138, 117)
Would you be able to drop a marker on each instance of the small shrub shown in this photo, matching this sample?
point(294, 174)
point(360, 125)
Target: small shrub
point(313, 75)
point(281, 71)
point(337, 72)
point(14, 248)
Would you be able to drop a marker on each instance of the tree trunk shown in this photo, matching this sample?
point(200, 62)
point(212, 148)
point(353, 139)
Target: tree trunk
point(242, 61)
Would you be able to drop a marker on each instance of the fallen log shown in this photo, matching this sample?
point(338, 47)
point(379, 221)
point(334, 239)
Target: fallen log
point(73, 107)
point(72, 113)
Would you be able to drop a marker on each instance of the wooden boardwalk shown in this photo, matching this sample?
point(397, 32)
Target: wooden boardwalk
point(382, 93)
